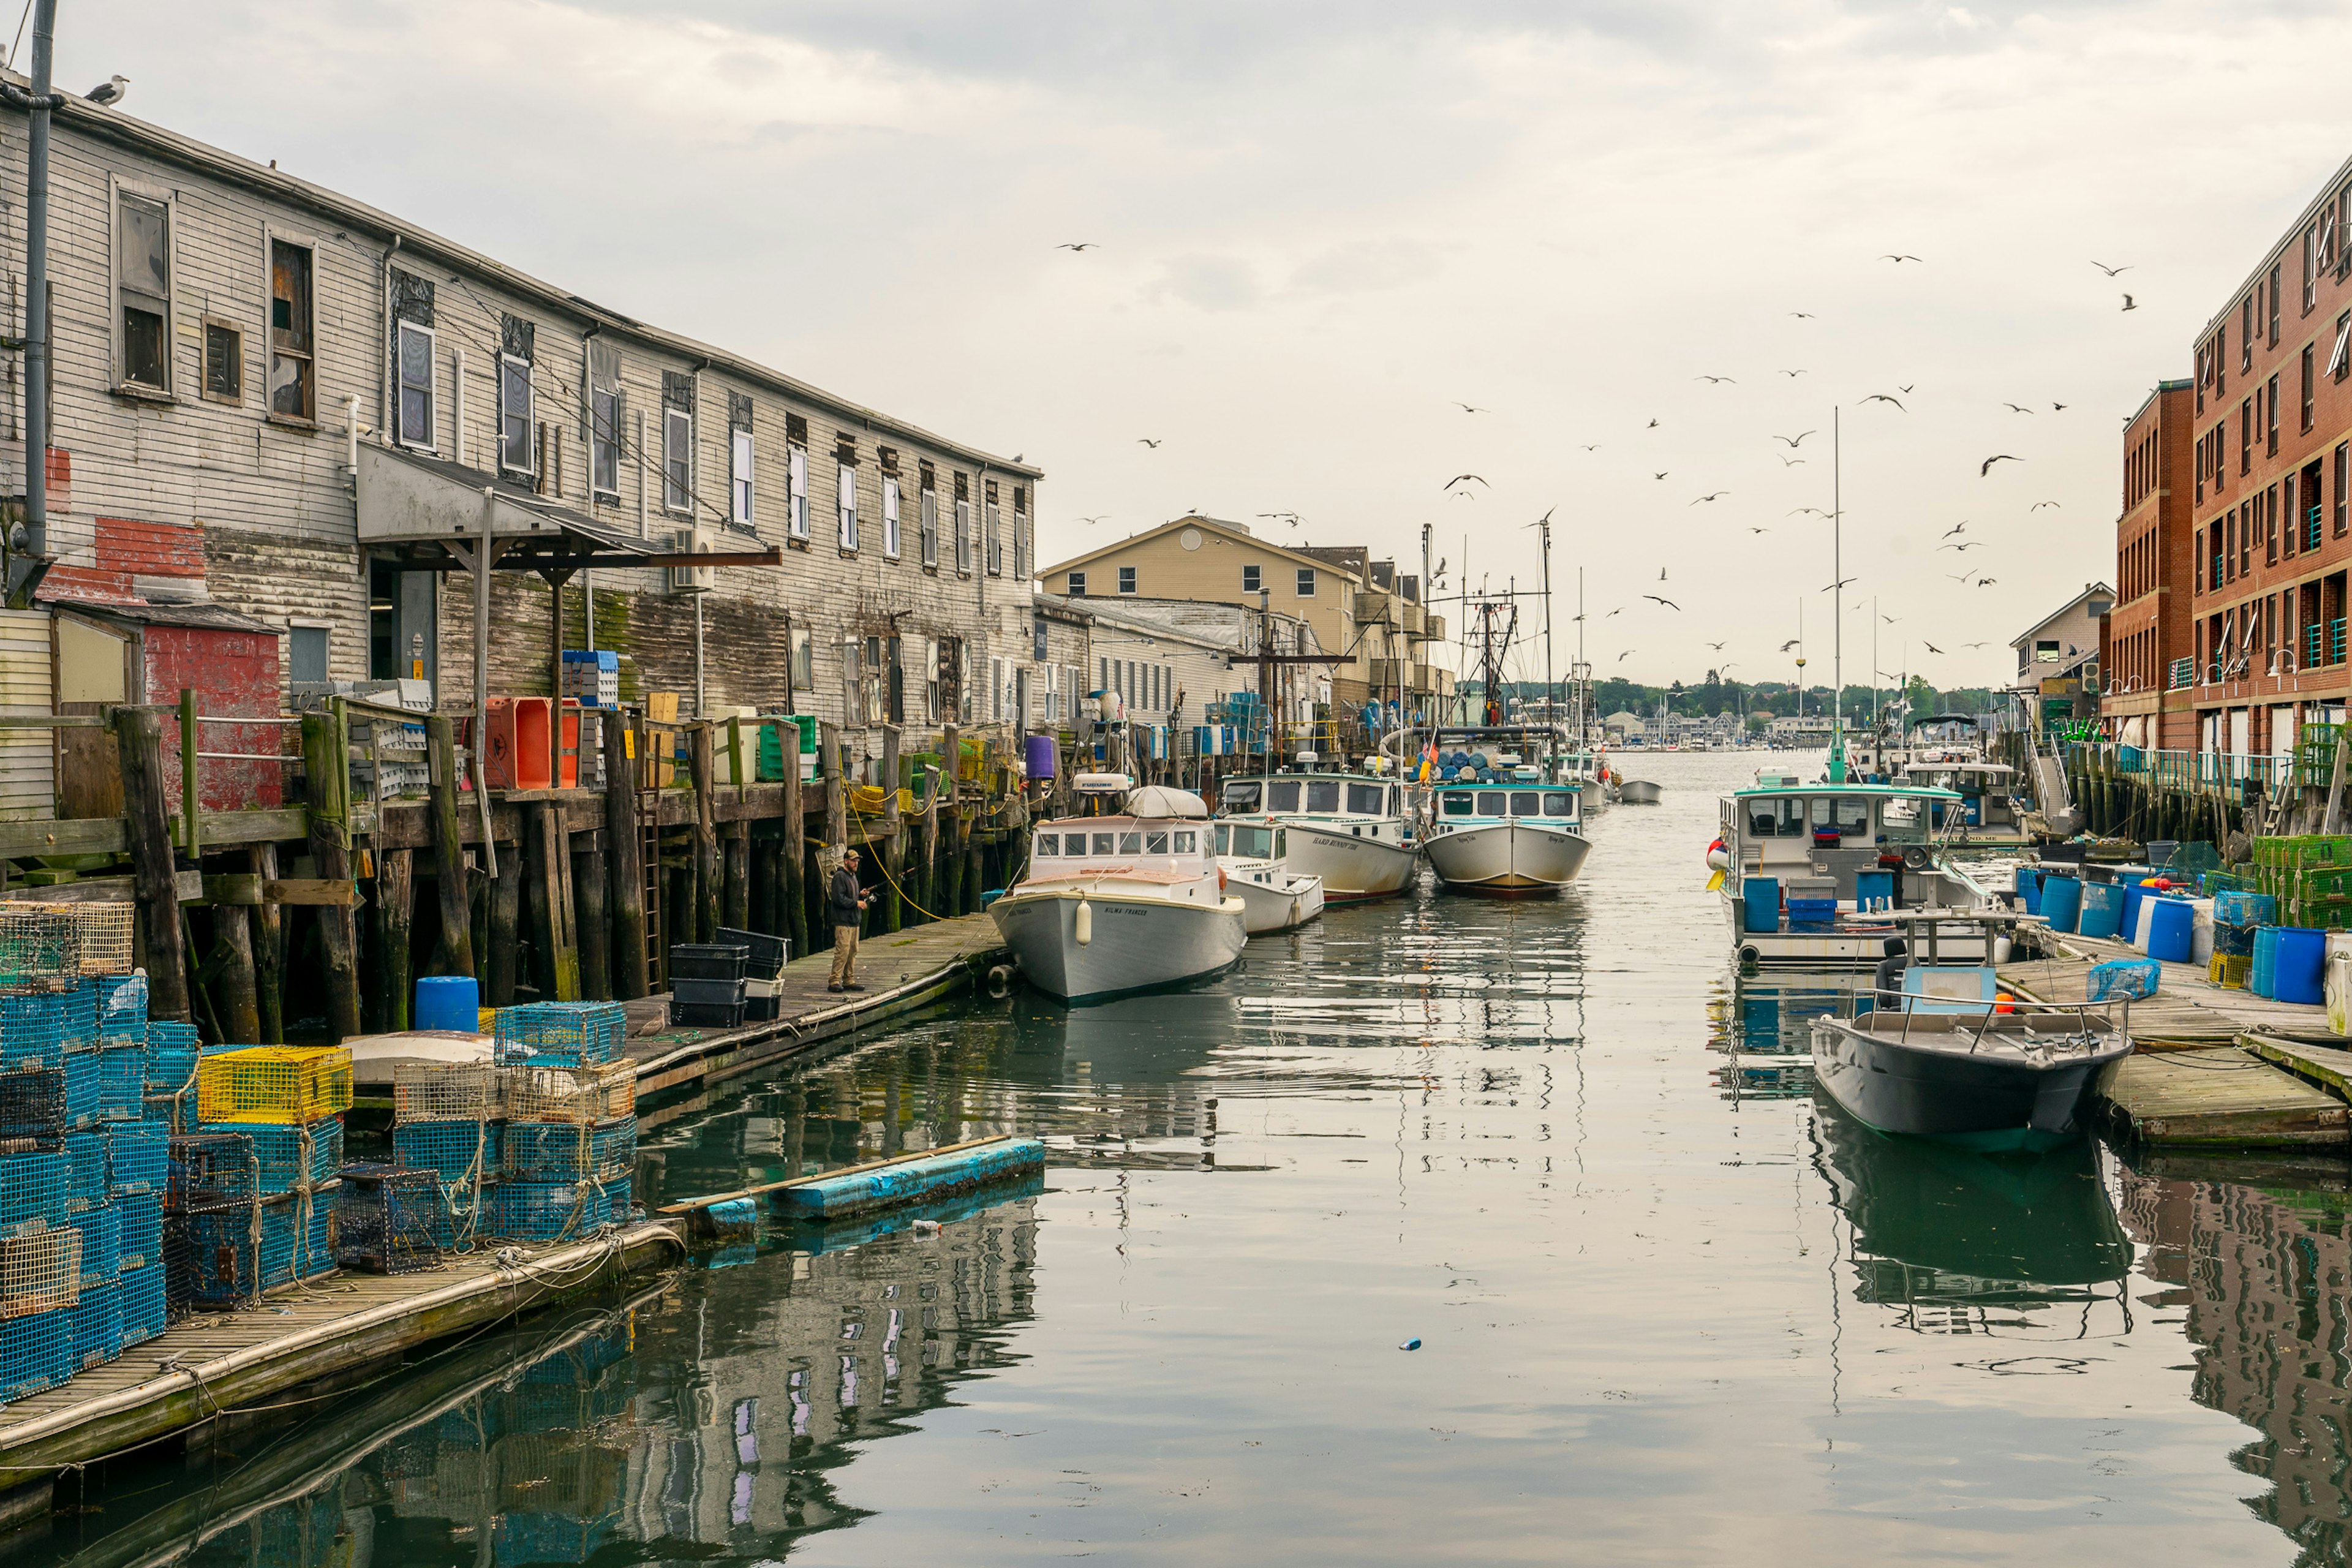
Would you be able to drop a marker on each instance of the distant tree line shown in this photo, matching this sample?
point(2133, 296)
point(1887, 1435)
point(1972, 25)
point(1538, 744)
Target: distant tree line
point(1768, 698)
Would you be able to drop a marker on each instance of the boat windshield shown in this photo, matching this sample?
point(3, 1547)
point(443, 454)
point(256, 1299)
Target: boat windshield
point(1494, 803)
point(1250, 843)
point(1282, 794)
point(1561, 804)
point(1240, 796)
point(1323, 795)
point(1364, 799)
point(1903, 819)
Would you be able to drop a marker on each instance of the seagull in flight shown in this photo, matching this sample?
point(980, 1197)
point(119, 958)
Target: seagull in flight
point(1987, 581)
point(1899, 260)
point(1803, 315)
point(1714, 380)
point(1906, 391)
point(1814, 510)
point(1095, 518)
point(1466, 408)
point(1790, 644)
point(1716, 645)
point(1148, 441)
point(2110, 272)
point(1753, 529)
point(1080, 245)
point(2057, 408)
point(2013, 408)
point(1595, 447)
point(1960, 527)
point(1975, 645)
point(2130, 304)
point(1668, 603)
point(1790, 462)
point(1890, 620)
point(1840, 583)
point(1662, 574)
point(1618, 611)
point(1931, 647)
point(1711, 496)
point(1996, 457)
point(1792, 374)
point(1960, 577)
point(1882, 397)
point(1626, 655)
point(2037, 506)
point(1651, 426)
point(1458, 478)
point(1797, 440)
point(1964, 545)
point(1658, 476)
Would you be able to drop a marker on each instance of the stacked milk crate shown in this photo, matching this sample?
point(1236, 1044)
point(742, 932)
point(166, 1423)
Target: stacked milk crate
point(79, 1168)
point(537, 1145)
point(253, 1189)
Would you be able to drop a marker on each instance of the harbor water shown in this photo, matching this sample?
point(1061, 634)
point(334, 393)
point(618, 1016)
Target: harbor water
point(1669, 1306)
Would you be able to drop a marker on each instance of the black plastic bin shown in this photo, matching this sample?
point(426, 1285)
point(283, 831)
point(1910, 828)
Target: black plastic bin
point(690, 993)
point(706, 1015)
point(762, 1010)
point(767, 960)
point(709, 960)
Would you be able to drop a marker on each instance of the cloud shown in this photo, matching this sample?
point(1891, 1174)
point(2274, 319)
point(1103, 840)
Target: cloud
point(1366, 265)
point(1207, 282)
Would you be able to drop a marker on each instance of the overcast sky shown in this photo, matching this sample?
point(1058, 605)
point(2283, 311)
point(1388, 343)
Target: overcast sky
point(1323, 225)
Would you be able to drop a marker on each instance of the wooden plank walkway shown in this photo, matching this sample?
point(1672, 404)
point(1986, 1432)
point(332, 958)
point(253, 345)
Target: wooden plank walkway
point(2221, 1097)
point(901, 972)
point(2186, 1009)
point(215, 1364)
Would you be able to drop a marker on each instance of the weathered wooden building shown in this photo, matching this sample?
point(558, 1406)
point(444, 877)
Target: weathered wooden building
point(275, 398)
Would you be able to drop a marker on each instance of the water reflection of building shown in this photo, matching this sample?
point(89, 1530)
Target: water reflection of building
point(2262, 1274)
point(1764, 1033)
point(759, 1377)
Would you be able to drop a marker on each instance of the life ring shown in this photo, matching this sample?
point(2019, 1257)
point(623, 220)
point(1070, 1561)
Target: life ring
point(1718, 859)
point(1221, 880)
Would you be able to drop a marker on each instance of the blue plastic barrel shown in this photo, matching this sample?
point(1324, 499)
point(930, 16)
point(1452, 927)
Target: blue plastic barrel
point(1874, 889)
point(2172, 930)
point(2062, 902)
point(449, 1002)
point(2266, 964)
point(2029, 889)
point(2103, 908)
point(1763, 904)
point(2301, 966)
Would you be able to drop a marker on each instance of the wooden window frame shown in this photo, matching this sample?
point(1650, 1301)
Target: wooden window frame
point(206, 327)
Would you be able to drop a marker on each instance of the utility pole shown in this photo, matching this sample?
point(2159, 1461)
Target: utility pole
point(26, 566)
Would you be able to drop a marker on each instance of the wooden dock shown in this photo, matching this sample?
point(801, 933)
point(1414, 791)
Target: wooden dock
point(218, 1364)
point(901, 973)
point(2187, 1008)
point(2222, 1097)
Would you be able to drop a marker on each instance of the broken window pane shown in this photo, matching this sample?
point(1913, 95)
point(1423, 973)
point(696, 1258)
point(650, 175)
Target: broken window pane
point(289, 296)
point(289, 386)
point(143, 247)
point(224, 363)
point(142, 346)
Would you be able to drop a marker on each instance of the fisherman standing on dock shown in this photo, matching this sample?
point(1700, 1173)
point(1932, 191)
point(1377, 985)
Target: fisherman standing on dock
point(848, 905)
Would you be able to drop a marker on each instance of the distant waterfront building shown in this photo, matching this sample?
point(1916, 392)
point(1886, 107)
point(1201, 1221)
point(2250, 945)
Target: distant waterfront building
point(2058, 660)
point(2149, 662)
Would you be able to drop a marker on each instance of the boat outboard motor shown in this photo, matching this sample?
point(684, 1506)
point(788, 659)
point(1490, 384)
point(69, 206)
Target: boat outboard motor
point(1888, 983)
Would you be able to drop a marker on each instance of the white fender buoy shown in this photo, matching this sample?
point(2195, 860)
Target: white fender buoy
point(1082, 925)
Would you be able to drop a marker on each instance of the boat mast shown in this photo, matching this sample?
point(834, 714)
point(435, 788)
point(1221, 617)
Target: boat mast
point(1837, 610)
point(1551, 694)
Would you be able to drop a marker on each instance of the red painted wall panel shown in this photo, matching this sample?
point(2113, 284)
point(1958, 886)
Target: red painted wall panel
point(235, 674)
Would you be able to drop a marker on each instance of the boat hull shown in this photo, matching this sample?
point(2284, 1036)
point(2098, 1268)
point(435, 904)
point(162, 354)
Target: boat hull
point(1986, 1100)
point(1135, 943)
point(1506, 858)
point(1638, 792)
point(1352, 869)
point(1283, 904)
point(1859, 947)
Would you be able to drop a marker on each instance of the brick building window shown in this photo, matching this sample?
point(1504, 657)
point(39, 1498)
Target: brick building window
point(2307, 384)
point(2339, 358)
point(2246, 335)
point(2246, 435)
point(2221, 361)
point(2270, 419)
point(2269, 508)
point(2343, 463)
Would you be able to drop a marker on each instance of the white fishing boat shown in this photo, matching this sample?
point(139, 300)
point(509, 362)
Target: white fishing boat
point(1351, 830)
point(1988, 815)
point(1638, 792)
point(1123, 896)
point(1255, 858)
point(1520, 838)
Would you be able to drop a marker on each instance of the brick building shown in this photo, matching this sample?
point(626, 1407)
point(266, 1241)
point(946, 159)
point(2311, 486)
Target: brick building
point(2149, 660)
point(2270, 461)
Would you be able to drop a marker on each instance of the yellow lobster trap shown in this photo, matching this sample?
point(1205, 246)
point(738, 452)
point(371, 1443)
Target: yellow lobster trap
point(274, 1083)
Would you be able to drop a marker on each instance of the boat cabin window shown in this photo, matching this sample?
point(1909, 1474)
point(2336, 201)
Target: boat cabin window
point(1364, 800)
point(1224, 835)
point(1102, 844)
point(1322, 794)
point(1282, 794)
point(1526, 802)
point(1455, 803)
point(1155, 843)
point(1253, 843)
point(1049, 844)
point(1559, 805)
point(1492, 803)
point(1848, 815)
point(1241, 794)
point(1130, 843)
point(1775, 817)
point(1392, 801)
point(1281, 843)
point(1188, 843)
point(1901, 820)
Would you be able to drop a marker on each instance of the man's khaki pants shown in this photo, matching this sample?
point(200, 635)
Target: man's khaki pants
point(845, 954)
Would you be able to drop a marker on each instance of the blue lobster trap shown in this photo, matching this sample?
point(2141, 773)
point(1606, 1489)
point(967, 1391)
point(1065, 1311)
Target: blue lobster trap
point(85, 1167)
point(28, 1032)
point(33, 1184)
point(137, 1157)
point(122, 1010)
point(172, 1052)
point(75, 1007)
point(37, 1352)
point(142, 1231)
point(83, 1075)
point(455, 1150)
point(561, 1034)
point(101, 1244)
point(390, 1219)
point(230, 1258)
point(287, 1155)
point(33, 1103)
point(548, 1152)
point(121, 1083)
point(620, 1203)
point(546, 1211)
point(210, 1170)
point(97, 1325)
point(146, 1309)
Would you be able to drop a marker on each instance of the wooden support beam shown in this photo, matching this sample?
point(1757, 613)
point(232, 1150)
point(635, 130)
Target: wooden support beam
point(505, 931)
point(246, 891)
point(593, 930)
point(551, 865)
point(735, 905)
point(395, 906)
point(792, 855)
point(190, 804)
point(452, 951)
point(326, 761)
point(138, 741)
point(893, 855)
point(624, 862)
point(268, 950)
point(237, 1001)
point(705, 922)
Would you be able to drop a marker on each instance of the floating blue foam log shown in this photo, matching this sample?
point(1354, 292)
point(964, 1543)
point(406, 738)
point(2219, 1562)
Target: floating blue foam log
point(910, 1181)
point(816, 1236)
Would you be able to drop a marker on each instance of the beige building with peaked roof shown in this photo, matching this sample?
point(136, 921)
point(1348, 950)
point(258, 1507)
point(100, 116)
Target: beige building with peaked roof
point(1368, 616)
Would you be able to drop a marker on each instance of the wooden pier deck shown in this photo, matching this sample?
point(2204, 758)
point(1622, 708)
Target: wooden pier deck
point(219, 1363)
point(2187, 1008)
point(2222, 1097)
point(901, 973)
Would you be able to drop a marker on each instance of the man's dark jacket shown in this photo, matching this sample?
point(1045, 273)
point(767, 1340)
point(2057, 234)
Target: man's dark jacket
point(843, 896)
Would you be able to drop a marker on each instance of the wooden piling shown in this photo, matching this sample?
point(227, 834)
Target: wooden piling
point(927, 873)
point(326, 763)
point(453, 951)
point(269, 950)
point(554, 933)
point(138, 741)
point(395, 911)
point(595, 932)
point(705, 922)
point(624, 865)
point(506, 926)
point(893, 855)
point(792, 855)
point(235, 999)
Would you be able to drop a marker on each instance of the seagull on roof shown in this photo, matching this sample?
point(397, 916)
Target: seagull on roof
point(111, 90)
point(1986, 468)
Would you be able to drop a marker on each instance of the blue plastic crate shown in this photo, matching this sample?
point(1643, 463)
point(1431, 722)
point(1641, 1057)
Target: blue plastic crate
point(101, 1244)
point(28, 1031)
point(76, 1011)
point(85, 1167)
point(36, 1353)
point(121, 1083)
point(456, 1150)
point(562, 1034)
point(82, 1083)
point(545, 1211)
point(280, 1150)
point(137, 1157)
point(172, 1052)
point(142, 1245)
point(33, 1184)
point(549, 1152)
point(145, 1305)
point(122, 1010)
point(97, 1325)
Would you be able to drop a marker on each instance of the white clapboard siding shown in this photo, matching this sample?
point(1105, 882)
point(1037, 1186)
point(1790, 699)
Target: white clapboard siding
point(28, 772)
